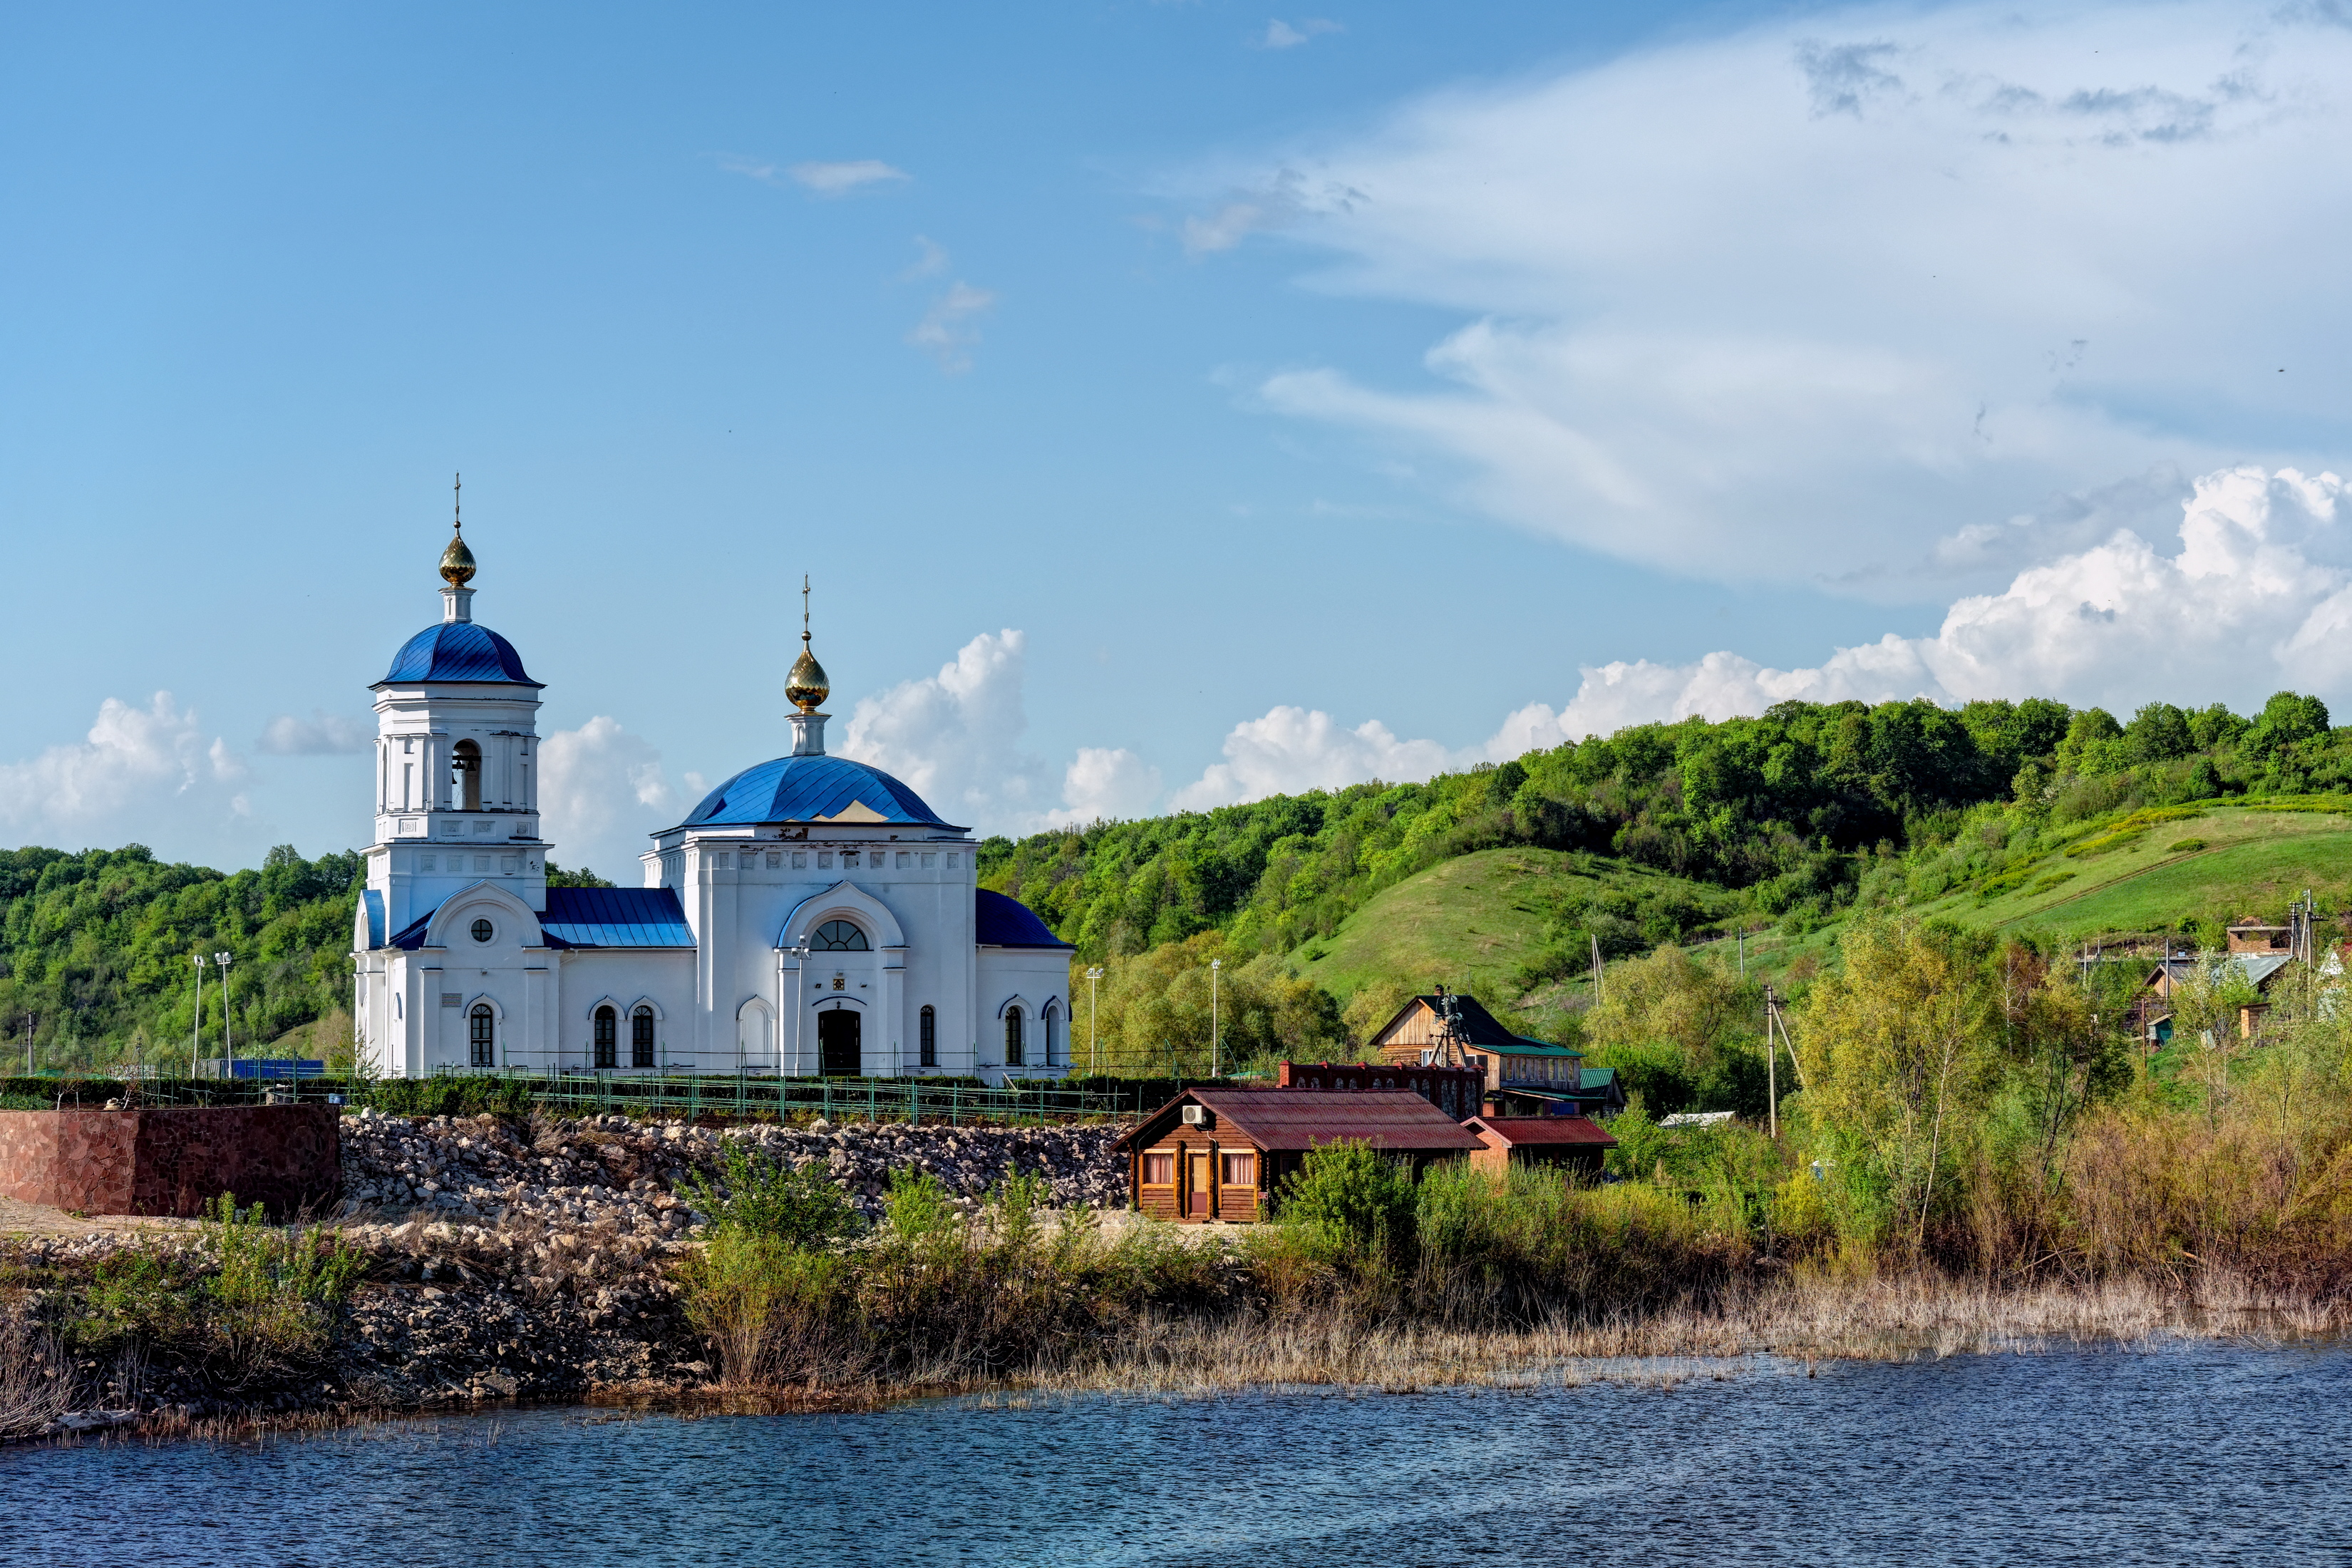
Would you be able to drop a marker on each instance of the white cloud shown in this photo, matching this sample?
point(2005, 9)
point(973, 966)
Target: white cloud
point(931, 259)
point(947, 331)
point(140, 774)
point(601, 791)
point(1106, 784)
point(1281, 35)
point(955, 737)
point(324, 734)
point(825, 178)
point(1294, 748)
point(1807, 301)
point(2257, 597)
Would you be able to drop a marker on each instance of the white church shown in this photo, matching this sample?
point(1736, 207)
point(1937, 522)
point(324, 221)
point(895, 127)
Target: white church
point(811, 915)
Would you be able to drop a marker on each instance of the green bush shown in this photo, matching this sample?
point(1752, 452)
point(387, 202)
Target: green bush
point(1349, 1205)
point(756, 1195)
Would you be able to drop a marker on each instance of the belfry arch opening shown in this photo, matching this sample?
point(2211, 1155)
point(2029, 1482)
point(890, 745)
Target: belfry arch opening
point(465, 774)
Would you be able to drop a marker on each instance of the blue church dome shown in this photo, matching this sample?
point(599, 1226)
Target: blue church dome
point(457, 650)
point(814, 788)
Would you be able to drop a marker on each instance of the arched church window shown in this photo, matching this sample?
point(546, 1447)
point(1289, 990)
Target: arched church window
point(1051, 1016)
point(641, 1037)
point(481, 1036)
point(466, 764)
point(1013, 1040)
point(838, 936)
point(608, 1038)
point(928, 1040)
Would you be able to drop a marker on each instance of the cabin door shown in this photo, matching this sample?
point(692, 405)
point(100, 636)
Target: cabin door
point(839, 1049)
point(1196, 1185)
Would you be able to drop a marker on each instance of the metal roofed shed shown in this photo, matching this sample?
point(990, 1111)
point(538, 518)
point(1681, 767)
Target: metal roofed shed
point(1563, 1143)
point(1223, 1153)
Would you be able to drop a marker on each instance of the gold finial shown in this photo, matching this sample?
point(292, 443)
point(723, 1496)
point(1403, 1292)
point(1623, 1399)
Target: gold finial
point(806, 686)
point(458, 562)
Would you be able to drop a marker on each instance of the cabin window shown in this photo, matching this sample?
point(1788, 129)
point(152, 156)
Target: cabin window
point(1012, 1039)
point(1241, 1170)
point(481, 1036)
point(1160, 1169)
point(641, 1037)
point(928, 1040)
point(608, 1037)
point(839, 936)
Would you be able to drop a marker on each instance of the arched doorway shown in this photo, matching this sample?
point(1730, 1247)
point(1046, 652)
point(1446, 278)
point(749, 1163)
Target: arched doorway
point(840, 1043)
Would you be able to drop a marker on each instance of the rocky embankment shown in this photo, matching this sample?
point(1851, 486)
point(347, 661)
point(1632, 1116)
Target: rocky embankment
point(536, 1261)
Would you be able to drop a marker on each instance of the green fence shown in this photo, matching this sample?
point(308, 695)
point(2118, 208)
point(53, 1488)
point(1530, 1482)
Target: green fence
point(730, 1096)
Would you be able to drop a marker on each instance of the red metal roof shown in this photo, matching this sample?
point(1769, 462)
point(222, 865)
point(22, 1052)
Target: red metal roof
point(1517, 1130)
point(1300, 1119)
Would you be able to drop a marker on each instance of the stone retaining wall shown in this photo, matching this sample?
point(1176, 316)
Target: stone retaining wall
point(173, 1160)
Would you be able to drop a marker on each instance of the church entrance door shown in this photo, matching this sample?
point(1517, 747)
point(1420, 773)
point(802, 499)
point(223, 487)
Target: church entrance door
point(838, 1043)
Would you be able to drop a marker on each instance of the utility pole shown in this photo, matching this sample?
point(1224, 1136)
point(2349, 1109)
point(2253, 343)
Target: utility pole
point(1773, 1019)
point(1215, 1058)
point(1596, 964)
point(1771, 1070)
point(228, 1038)
point(1094, 1056)
point(196, 1027)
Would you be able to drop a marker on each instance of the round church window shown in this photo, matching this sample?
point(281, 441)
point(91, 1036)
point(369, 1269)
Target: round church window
point(482, 931)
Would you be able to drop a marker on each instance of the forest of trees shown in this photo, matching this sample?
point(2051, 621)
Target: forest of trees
point(1789, 811)
point(1798, 815)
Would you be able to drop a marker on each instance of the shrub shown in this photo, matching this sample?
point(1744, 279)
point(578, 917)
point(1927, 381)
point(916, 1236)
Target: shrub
point(1349, 1205)
point(757, 1196)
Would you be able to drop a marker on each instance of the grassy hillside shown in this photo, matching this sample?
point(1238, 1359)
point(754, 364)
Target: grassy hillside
point(1486, 920)
point(2206, 866)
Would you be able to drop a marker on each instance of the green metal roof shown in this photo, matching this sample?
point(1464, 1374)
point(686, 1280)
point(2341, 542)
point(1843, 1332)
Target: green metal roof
point(1521, 1045)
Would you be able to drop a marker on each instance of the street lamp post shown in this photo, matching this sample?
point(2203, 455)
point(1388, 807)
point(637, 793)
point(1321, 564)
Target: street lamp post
point(1215, 1058)
point(228, 1039)
point(196, 1025)
point(1094, 1057)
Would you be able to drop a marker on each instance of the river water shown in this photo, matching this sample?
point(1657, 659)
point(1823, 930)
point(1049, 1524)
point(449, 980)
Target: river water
point(2186, 1452)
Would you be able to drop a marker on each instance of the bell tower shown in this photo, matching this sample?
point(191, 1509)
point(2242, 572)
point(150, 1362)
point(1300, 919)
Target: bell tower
point(457, 764)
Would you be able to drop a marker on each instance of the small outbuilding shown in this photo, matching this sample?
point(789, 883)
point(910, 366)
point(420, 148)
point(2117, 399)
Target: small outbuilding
point(1223, 1153)
point(1574, 1143)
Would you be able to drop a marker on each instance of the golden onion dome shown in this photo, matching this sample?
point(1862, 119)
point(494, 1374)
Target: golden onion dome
point(806, 687)
point(458, 563)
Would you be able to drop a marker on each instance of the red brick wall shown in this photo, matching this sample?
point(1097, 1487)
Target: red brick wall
point(171, 1160)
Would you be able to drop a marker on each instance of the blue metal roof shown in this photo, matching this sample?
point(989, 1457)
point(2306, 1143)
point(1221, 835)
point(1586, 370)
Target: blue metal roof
point(1000, 921)
point(614, 917)
point(593, 917)
point(457, 650)
point(813, 789)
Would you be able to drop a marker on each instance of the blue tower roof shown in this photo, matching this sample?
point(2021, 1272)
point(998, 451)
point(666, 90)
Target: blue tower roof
point(457, 650)
point(814, 789)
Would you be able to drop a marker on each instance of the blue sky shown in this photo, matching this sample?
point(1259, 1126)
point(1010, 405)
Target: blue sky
point(1310, 393)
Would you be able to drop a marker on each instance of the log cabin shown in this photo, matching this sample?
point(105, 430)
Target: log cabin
point(1531, 1071)
point(1221, 1154)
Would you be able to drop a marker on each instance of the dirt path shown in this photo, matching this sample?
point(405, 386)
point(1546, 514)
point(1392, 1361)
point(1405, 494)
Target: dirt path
point(39, 1219)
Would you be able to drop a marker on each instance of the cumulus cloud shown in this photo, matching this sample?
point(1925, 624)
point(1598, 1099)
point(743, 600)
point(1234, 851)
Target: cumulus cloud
point(1294, 748)
point(2255, 598)
point(1818, 299)
point(1105, 784)
point(930, 260)
point(955, 737)
point(601, 791)
point(834, 179)
point(139, 773)
point(1281, 35)
point(324, 734)
point(948, 329)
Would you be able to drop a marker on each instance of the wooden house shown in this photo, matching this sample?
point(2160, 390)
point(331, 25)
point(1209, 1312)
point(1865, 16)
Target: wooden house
point(1223, 1153)
point(1572, 1144)
point(1531, 1069)
point(2259, 967)
point(1460, 1092)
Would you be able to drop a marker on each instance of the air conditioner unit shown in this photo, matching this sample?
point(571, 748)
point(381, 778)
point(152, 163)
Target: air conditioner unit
point(1198, 1116)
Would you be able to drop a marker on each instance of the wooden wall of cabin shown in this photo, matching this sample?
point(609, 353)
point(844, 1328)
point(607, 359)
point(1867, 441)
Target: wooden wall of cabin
point(1193, 1150)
